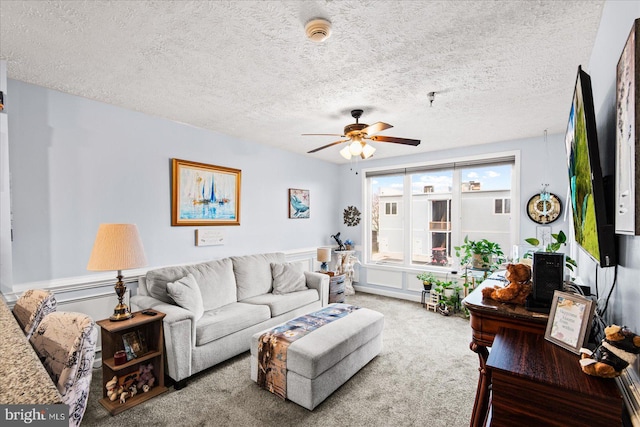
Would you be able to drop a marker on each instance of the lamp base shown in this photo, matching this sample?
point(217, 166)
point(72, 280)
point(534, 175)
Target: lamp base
point(324, 267)
point(121, 312)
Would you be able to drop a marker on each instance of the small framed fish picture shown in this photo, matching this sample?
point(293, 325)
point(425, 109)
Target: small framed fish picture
point(299, 203)
point(203, 194)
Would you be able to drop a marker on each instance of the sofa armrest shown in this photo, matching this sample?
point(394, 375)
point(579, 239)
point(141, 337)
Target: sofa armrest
point(179, 327)
point(319, 282)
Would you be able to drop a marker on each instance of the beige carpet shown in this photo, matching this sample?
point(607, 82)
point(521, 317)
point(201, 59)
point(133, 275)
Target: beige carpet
point(426, 375)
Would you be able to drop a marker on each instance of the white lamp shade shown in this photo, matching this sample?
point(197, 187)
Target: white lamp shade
point(324, 254)
point(346, 153)
point(367, 151)
point(355, 148)
point(117, 247)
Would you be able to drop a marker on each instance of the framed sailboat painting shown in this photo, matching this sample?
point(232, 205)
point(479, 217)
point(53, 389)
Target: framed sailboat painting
point(203, 194)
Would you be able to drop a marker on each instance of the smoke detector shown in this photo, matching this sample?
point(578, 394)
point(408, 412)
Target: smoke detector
point(318, 30)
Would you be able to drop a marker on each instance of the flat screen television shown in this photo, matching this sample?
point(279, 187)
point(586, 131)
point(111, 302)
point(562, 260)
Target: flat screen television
point(593, 232)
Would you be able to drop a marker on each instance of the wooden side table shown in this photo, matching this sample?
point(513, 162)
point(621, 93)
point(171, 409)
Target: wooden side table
point(486, 319)
point(336, 288)
point(149, 328)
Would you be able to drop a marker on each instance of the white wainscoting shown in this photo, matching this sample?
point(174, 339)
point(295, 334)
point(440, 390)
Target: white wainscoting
point(386, 278)
point(95, 296)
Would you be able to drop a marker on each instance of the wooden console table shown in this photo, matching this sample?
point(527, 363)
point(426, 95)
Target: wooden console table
point(487, 317)
point(536, 383)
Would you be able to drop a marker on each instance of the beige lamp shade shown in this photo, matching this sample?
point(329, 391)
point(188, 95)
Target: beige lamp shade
point(324, 254)
point(117, 247)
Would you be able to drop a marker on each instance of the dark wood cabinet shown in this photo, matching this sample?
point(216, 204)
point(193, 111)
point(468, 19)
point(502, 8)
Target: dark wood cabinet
point(150, 329)
point(537, 383)
point(528, 381)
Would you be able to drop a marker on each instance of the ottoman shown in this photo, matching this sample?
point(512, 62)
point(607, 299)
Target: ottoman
point(320, 362)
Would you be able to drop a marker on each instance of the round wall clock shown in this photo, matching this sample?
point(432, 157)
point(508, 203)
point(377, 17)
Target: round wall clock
point(351, 216)
point(544, 208)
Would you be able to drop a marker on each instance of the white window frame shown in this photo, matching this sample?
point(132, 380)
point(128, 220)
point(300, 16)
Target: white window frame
point(393, 207)
point(455, 208)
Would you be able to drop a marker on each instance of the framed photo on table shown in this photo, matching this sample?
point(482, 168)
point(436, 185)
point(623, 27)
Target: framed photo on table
point(569, 321)
point(134, 344)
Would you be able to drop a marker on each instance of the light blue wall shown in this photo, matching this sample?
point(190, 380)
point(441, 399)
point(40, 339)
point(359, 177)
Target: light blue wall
point(76, 163)
point(617, 19)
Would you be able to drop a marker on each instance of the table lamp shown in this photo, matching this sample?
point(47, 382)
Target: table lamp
point(117, 247)
point(324, 256)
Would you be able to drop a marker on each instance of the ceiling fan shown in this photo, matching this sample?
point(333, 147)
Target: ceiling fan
point(357, 134)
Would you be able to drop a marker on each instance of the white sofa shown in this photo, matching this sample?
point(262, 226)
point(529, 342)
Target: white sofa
point(238, 299)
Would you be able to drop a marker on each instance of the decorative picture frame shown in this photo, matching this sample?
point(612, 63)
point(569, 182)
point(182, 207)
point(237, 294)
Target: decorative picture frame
point(569, 321)
point(628, 136)
point(203, 194)
point(134, 344)
point(299, 206)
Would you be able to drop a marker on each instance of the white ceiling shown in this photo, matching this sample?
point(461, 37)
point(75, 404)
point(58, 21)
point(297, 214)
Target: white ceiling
point(501, 70)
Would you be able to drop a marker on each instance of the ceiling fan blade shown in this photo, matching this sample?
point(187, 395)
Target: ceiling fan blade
point(376, 127)
point(395, 140)
point(327, 146)
point(323, 134)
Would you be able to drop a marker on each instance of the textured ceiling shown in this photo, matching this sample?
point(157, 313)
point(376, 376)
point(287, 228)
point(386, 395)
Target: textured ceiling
point(501, 69)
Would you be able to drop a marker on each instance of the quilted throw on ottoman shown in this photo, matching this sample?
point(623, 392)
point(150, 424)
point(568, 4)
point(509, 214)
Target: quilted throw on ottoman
point(272, 347)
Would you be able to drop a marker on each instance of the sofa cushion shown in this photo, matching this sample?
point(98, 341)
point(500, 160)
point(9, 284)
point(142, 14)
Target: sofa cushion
point(222, 321)
point(280, 304)
point(186, 293)
point(253, 273)
point(287, 278)
point(215, 279)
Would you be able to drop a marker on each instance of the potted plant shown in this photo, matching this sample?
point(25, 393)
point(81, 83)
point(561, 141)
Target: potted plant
point(483, 254)
point(558, 240)
point(447, 289)
point(428, 280)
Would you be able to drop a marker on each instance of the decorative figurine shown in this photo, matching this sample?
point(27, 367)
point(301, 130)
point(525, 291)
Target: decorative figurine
point(336, 237)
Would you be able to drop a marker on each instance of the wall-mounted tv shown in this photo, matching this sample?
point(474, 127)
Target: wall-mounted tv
point(593, 232)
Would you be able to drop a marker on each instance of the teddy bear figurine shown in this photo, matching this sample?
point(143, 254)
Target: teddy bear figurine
point(519, 287)
point(145, 377)
point(616, 351)
point(112, 392)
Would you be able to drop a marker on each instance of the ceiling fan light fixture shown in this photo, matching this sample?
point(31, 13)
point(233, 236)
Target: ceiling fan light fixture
point(355, 148)
point(367, 151)
point(318, 30)
point(346, 153)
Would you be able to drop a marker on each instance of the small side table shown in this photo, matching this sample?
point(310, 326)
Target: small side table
point(147, 328)
point(336, 288)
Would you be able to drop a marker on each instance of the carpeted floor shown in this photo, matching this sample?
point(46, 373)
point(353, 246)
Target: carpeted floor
point(425, 375)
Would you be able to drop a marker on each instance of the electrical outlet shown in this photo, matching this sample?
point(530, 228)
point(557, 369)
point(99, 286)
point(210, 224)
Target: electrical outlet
point(543, 234)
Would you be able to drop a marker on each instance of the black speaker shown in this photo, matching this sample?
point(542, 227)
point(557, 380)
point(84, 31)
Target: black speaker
point(548, 275)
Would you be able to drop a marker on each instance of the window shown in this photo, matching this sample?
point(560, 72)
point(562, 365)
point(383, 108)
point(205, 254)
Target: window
point(391, 208)
point(502, 206)
point(444, 203)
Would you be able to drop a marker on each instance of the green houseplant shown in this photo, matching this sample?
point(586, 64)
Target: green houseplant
point(428, 280)
point(483, 254)
point(558, 240)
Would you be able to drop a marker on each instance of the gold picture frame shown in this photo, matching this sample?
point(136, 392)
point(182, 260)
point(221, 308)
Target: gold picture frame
point(569, 321)
point(203, 194)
